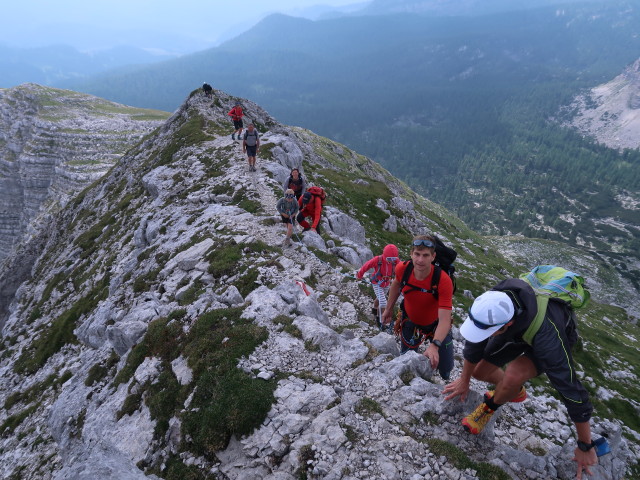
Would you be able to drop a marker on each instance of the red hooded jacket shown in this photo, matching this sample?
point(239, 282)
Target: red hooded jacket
point(383, 270)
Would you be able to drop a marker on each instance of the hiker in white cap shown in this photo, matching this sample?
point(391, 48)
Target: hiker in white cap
point(498, 332)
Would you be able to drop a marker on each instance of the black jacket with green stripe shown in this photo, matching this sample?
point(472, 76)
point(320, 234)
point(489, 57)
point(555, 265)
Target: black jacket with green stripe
point(550, 349)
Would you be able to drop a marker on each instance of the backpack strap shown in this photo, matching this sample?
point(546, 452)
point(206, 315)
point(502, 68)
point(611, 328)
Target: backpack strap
point(378, 273)
point(542, 302)
point(435, 280)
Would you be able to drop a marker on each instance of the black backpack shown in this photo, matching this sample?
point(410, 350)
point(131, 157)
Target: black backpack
point(445, 256)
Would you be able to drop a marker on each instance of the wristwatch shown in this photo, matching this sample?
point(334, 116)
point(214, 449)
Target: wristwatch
point(437, 343)
point(585, 447)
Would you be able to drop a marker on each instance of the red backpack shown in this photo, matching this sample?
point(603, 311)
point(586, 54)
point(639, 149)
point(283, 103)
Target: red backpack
point(318, 192)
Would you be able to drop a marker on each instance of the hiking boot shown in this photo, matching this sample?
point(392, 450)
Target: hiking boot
point(233, 136)
point(374, 310)
point(476, 421)
point(520, 397)
point(286, 242)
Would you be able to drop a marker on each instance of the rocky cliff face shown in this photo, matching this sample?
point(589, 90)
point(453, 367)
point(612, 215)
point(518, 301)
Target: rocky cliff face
point(610, 112)
point(53, 143)
point(165, 331)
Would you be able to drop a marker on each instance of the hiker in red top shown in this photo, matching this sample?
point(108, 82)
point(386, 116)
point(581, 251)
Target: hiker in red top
point(383, 272)
point(236, 115)
point(426, 308)
point(310, 206)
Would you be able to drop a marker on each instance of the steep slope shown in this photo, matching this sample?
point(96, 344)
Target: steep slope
point(610, 112)
point(53, 143)
point(165, 333)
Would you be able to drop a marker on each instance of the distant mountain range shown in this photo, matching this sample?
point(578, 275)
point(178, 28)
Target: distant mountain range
point(55, 64)
point(457, 7)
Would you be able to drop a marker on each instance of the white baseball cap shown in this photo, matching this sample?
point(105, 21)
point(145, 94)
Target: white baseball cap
point(488, 314)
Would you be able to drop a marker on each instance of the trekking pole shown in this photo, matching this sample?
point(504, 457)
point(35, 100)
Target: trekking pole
point(293, 228)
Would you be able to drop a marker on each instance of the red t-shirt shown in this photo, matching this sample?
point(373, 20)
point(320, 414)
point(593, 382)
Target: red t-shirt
point(422, 308)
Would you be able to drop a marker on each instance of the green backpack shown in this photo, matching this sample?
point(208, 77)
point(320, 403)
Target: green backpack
point(549, 281)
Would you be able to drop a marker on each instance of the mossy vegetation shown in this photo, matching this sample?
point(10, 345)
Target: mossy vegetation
point(247, 282)
point(225, 400)
point(459, 459)
point(368, 406)
point(60, 332)
point(360, 202)
point(35, 392)
point(224, 260)
point(14, 421)
point(190, 133)
point(101, 369)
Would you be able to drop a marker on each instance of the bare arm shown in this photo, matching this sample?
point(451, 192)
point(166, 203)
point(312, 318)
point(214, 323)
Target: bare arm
point(460, 386)
point(444, 325)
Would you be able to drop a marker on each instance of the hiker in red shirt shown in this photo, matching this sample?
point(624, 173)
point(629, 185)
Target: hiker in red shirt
point(427, 305)
point(236, 115)
point(310, 206)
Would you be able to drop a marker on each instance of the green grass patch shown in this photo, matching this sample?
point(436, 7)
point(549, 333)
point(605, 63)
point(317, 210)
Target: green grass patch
point(101, 369)
point(60, 331)
point(242, 199)
point(14, 421)
point(190, 133)
point(289, 327)
point(87, 240)
point(131, 404)
point(224, 260)
point(144, 282)
point(35, 392)
point(247, 282)
point(367, 406)
point(192, 293)
point(161, 340)
point(177, 470)
point(228, 400)
point(461, 461)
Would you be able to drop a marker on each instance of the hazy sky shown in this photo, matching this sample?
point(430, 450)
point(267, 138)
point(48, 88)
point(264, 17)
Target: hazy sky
point(89, 24)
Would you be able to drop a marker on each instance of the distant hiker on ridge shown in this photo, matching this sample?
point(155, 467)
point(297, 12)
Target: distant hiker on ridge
point(311, 206)
point(296, 183)
point(236, 115)
point(504, 328)
point(383, 273)
point(426, 308)
point(207, 89)
point(251, 145)
point(287, 208)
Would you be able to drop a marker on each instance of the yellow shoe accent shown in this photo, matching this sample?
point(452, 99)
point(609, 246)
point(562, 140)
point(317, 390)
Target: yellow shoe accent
point(476, 421)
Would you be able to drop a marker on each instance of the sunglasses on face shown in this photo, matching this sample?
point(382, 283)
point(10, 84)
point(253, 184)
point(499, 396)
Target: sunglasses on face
point(423, 243)
point(392, 259)
point(289, 195)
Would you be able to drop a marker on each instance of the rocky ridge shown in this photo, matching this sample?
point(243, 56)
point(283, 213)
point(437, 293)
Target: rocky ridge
point(53, 143)
point(610, 112)
point(163, 307)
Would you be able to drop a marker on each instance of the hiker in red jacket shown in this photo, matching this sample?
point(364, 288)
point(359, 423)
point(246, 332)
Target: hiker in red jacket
point(310, 206)
point(383, 273)
point(236, 115)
